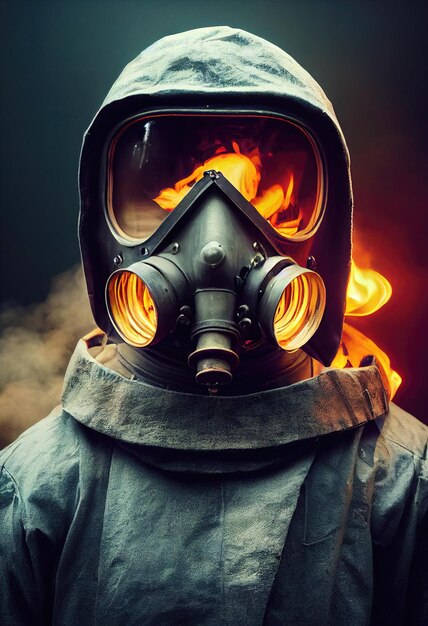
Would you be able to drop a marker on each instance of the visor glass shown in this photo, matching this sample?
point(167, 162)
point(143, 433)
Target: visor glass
point(153, 162)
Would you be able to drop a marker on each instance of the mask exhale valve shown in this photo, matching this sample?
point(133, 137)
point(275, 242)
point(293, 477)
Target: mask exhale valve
point(214, 357)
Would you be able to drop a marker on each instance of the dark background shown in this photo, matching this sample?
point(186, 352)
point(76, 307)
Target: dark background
point(58, 60)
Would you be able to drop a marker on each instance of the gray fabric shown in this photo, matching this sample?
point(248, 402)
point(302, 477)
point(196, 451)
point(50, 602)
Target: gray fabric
point(102, 538)
point(134, 412)
point(361, 559)
point(91, 534)
point(215, 60)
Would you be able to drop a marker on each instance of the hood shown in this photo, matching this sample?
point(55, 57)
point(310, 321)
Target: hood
point(225, 68)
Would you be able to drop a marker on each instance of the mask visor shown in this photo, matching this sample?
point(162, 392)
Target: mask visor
point(153, 162)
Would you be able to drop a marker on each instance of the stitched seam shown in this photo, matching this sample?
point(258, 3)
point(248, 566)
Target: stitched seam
point(367, 395)
point(101, 535)
point(367, 399)
point(344, 397)
point(222, 564)
point(404, 447)
point(25, 519)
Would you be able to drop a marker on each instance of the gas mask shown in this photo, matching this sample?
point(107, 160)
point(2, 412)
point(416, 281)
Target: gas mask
point(213, 202)
point(211, 230)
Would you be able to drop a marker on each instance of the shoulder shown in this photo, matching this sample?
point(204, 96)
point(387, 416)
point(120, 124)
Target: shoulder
point(405, 431)
point(41, 450)
point(401, 449)
point(41, 472)
point(401, 476)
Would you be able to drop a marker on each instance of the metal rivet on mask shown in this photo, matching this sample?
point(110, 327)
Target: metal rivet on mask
point(311, 263)
point(118, 259)
point(243, 311)
point(185, 317)
point(175, 248)
point(244, 324)
point(212, 254)
point(144, 251)
point(259, 257)
point(212, 174)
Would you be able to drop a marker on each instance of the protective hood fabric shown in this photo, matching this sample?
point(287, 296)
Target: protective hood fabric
point(135, 412)
point(93, 531)
point(227, 68)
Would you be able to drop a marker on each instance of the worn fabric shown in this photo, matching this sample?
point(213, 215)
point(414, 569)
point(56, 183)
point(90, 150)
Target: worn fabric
point(96, 529)
point(136, 412)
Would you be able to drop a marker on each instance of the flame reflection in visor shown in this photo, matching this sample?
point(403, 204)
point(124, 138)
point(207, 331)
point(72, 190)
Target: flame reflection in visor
point(132, 309)
point(154, 161)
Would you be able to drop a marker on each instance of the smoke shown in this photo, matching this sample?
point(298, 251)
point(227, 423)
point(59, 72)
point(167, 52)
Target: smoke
point(35, 347)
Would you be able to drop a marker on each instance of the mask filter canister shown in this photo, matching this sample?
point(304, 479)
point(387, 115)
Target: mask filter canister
point(287, 300)
point(142, 300)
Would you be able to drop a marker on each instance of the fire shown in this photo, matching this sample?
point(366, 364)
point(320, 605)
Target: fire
point(355, 346)
point(367, 292)
point(244, 172)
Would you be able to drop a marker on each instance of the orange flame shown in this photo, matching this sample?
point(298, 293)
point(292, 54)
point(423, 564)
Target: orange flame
point(243, 171)
point(355, 346)
point(367, 292)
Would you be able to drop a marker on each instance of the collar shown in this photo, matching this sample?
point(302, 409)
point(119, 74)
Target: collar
point(133, 411)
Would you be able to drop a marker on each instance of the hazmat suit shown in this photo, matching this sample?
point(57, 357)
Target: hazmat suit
point(279, 497)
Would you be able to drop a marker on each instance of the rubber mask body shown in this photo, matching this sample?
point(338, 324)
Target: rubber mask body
point(219, 266)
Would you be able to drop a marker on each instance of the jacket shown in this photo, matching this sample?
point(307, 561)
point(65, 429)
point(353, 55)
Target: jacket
point(132, 504)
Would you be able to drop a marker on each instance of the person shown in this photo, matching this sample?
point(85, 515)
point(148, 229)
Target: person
point(201, 468)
